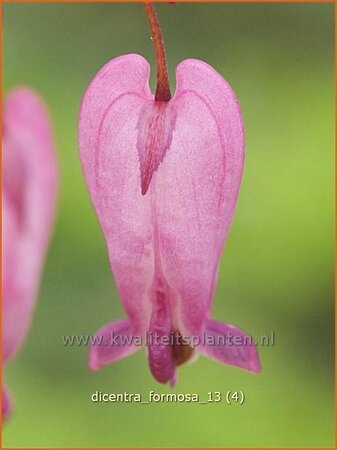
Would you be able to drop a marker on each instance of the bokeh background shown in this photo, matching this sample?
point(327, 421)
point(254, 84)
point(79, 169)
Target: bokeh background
point(277, 268)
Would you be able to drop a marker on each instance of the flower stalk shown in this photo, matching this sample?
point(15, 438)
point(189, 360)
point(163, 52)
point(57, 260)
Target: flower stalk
point(163, 93)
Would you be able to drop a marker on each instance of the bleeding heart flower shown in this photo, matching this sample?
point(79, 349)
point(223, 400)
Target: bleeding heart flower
point(29, 194)
point(164, 174)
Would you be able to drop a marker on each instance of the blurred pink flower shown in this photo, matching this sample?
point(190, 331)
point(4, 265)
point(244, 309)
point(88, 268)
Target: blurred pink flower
point(30, 176)
point(164, 177)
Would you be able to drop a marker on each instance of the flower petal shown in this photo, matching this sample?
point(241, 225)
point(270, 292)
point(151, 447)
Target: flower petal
point(197, 186)
point(108, 149)
point(29, 196)
point(229, 345)
point(112, 342)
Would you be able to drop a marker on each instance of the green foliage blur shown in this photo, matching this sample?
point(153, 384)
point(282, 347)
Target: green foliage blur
point(277, 268)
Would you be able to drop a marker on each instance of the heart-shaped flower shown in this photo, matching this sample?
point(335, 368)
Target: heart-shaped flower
point(164, 175)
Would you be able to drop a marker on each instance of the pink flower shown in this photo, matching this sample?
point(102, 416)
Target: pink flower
point(164, 174)
point(29, 195)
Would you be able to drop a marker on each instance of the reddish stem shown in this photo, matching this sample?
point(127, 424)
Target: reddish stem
point(163, 93)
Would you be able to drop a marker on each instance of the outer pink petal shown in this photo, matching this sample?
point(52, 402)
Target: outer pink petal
point(227, 344)
point(108, 121)
point(29, 194)
point(114, 341)
point(197, 186)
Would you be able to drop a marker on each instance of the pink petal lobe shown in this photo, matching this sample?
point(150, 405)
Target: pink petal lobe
point(197, 186)
point(108, 135)
point(229, 345)
point(111, 343)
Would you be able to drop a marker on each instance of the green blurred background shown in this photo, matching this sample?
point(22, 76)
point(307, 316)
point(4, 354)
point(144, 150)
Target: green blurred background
point(277, 269)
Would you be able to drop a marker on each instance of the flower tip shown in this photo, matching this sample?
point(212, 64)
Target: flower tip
point(256, 365)
point(93, 363)
point(173, 381)
point(145, 186)
point(253, 363)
